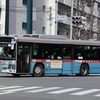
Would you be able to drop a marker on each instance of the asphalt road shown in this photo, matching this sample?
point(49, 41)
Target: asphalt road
point(49, 87)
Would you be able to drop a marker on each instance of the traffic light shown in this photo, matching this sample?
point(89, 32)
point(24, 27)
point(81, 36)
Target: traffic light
point(79, 20)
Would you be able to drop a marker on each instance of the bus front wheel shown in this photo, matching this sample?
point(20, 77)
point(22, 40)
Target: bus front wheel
point(38, 70)
point(84, 70)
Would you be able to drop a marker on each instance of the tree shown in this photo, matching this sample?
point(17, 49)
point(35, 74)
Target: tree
point(87, 30)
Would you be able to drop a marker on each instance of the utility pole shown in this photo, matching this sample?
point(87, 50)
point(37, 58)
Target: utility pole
point(91, 19)
point(71, 19)
point(50, 18)
point(56, 22)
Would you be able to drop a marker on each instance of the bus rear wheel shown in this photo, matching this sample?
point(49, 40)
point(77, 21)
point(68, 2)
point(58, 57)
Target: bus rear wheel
point(38, 70)
point(84, 70)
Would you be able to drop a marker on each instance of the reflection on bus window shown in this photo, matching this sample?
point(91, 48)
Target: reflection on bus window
point(6, 52)
point(2, 54)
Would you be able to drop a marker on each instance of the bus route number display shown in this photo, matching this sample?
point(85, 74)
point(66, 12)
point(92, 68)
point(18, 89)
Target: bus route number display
point(5, 39)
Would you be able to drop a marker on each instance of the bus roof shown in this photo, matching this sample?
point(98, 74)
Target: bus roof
point(52, 39)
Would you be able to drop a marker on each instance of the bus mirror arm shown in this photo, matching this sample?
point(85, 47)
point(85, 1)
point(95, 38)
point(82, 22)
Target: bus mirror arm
point(12, 46)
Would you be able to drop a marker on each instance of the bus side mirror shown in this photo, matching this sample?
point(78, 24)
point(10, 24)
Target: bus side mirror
point(12, 46)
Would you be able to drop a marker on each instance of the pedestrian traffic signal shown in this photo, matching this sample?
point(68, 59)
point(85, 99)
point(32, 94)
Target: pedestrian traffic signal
point(80, 20)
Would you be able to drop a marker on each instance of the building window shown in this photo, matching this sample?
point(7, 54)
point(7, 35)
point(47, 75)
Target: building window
point(34, 14)
point(34, 32)
point(0, 8)
point(43, 30)
point(24, 2)
point(44, 8)
point(83, 7)
point(98, 10)
point(0, 13)
point(90, 3)
point(24, 25)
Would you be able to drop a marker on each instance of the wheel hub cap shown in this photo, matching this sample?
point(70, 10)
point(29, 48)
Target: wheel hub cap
point(37, 70)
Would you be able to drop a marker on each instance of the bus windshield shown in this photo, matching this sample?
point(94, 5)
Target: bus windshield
point(6, 52)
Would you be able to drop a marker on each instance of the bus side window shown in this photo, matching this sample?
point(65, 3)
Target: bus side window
point(67, 52)
point(56, 51)
point(36, 52)
point(45, 51)
point(78, 52)
point(95, 52)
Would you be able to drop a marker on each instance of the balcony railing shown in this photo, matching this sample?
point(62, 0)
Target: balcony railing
point(62, 1)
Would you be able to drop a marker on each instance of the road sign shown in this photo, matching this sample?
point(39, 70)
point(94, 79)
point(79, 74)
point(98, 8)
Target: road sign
point(61, 17)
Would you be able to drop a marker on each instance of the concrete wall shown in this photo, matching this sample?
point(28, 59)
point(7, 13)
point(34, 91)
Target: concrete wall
point(2, 16)
point(40, 20)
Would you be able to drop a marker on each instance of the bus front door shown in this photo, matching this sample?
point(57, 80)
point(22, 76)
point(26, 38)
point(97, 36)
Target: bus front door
point(67, 61)
point(23, 58)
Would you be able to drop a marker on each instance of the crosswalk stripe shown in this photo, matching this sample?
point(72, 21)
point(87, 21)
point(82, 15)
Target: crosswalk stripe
point(98, 95)
point(21, 89)
point(50, 90)
point(5, 93)
point(86, 92)
point(10, 87)
point(45, 89)
point(64, 90)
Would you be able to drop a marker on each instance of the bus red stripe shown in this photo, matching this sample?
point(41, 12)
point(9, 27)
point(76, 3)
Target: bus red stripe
point(67, 60)
point(40, 60)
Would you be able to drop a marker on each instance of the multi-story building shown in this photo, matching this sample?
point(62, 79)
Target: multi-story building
point(40, 17)
point(3, 17)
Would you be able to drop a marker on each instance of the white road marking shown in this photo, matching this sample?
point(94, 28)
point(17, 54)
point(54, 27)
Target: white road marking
point(63, 91)
point(98, 95)
point(44, 89)
point(19, 89)
point(86, 92)
point(53, 90)
point(10, 87)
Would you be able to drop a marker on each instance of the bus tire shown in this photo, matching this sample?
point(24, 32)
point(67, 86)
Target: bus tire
point(38, 70)
point(16, 75)
point(84, 70)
